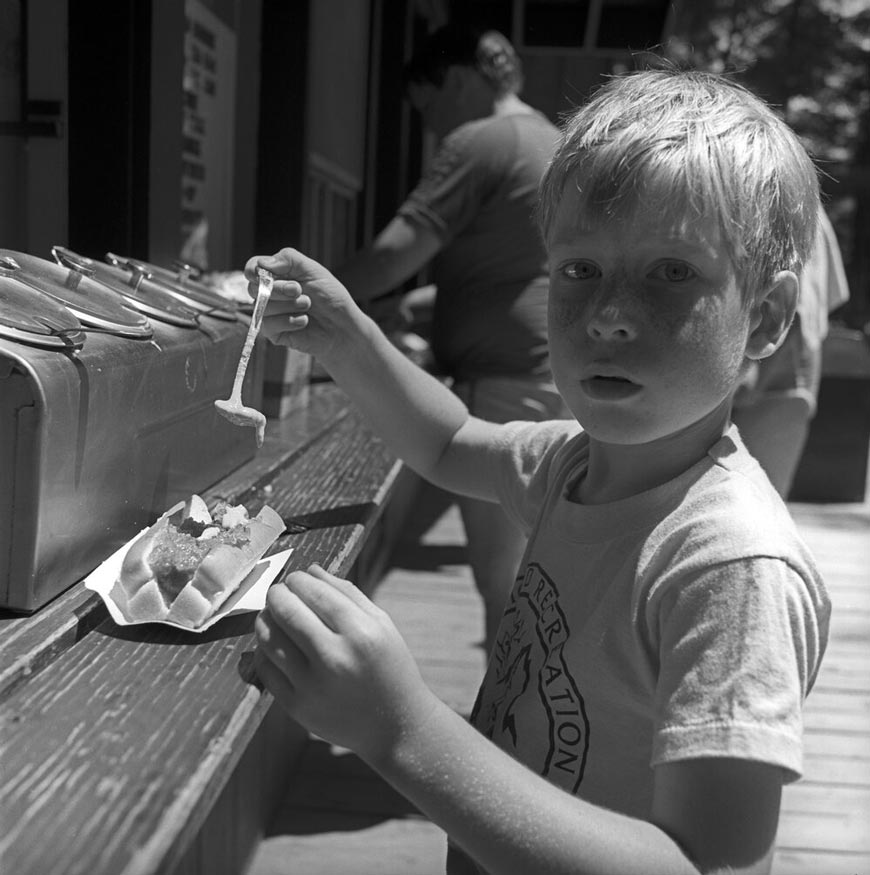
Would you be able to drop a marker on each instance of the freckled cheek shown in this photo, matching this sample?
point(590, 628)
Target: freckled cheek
point(564, 312)
point(671, 319)
point(705, 352)
point(696, 324)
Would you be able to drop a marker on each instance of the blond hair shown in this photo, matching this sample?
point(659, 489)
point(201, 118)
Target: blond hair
point(686, 146)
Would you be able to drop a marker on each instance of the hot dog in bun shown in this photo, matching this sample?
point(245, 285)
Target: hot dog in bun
point(189, 562)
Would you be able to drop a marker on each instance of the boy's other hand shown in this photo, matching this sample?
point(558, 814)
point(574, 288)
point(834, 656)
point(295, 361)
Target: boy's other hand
point(338, 665)
point(310, 310)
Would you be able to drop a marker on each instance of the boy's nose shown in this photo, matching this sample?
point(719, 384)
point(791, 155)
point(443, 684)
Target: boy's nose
point(614, 311)
point(609, 332)
point(611, 323)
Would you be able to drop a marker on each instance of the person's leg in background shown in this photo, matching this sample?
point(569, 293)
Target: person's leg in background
point(495, 548)
point(774, 410)
point(495, 543)
point(775, 430)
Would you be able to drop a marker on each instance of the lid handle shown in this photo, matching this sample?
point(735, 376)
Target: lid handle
point(138, 270)
point(185, 271)
point(71, 260)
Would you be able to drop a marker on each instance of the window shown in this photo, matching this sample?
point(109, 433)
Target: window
point(589, 24)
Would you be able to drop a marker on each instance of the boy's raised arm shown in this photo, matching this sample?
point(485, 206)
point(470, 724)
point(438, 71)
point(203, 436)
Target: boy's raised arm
point(421, 420)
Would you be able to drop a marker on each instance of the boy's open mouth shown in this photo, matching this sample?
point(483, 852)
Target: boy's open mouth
point(606, 387)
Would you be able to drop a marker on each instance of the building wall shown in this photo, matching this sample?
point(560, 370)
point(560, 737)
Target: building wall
point(337, 103)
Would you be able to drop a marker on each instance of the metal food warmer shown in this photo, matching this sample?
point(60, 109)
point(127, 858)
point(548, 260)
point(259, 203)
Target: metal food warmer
point(108, 376)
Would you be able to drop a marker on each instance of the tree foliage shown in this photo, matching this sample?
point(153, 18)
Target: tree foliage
point(810, 58)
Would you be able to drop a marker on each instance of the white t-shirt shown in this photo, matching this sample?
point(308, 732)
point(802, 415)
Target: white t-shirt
point(688, 621)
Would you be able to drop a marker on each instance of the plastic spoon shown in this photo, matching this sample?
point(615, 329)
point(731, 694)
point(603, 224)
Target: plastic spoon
point(232, 408)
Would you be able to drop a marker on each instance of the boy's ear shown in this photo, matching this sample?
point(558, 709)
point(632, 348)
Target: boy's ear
point(772, 315)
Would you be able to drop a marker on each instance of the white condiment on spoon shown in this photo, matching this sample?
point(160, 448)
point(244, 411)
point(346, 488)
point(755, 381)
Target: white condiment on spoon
point(232, 408)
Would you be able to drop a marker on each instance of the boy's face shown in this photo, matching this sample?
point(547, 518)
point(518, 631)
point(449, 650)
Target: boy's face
point(648, 330)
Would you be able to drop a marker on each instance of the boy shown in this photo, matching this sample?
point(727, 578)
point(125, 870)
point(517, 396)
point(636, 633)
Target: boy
point(642, 706)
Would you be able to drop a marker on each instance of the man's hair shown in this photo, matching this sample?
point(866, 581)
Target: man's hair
point(686, 146)
point(489, 52)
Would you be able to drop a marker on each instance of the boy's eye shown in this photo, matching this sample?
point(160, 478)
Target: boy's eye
point(581, 270)
point(674, 272)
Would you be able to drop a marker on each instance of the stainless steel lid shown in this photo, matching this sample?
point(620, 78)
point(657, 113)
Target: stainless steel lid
point(28, 315)
point(147, 298)
point(190, 292)
point(91, 302)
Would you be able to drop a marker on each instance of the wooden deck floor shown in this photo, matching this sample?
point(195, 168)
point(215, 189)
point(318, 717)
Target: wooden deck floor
point(825, 822)
point(340, 819)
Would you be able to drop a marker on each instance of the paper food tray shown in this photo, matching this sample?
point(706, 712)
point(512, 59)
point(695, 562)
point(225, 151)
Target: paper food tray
point(250, 596)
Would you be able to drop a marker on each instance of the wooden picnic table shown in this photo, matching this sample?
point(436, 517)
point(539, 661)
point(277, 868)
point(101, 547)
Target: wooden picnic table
point(145, 749)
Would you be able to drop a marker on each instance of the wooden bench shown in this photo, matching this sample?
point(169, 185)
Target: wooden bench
point(149, 750)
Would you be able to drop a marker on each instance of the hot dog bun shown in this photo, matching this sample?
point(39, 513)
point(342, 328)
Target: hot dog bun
point(136, 592)
point(187, 564)
point(223, 569)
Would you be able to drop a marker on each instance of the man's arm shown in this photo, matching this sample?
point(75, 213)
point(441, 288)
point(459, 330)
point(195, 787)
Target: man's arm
point(399, 252)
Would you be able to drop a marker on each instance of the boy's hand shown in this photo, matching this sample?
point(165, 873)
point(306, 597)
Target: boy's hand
point(338, 665)
point(307, 296)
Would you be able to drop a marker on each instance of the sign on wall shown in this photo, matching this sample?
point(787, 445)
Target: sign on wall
point(208, 137)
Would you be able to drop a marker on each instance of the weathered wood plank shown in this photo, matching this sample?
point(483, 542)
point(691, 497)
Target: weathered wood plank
point(852, 702)
point(809, 798)
point(334, 843)
point(809, 861)
point(842, 677)
point(826, 831)
point(829, 744)
point(836, 771)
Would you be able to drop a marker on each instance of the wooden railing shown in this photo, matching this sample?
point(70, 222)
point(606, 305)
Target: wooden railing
point(149, 750)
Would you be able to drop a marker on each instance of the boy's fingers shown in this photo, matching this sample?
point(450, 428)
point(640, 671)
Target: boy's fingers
point(282, 290)
point(278, 684)
point(280, 649)
point(279, 328)
point(338, 603)
point(286, 265)
point(289, 290)
point(346, 587)
point(294, 617)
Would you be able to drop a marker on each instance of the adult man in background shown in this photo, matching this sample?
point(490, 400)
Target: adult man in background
point(472, 216)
